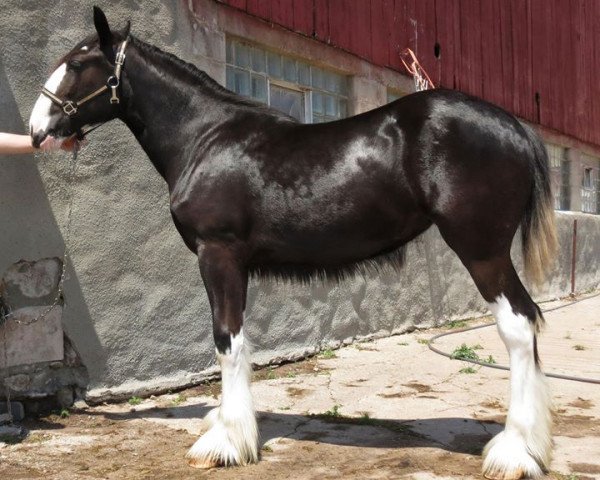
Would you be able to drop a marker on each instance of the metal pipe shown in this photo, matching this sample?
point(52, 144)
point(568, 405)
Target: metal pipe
point(573, 257)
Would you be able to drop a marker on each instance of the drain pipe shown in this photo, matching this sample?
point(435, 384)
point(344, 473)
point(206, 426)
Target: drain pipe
point(573, 257)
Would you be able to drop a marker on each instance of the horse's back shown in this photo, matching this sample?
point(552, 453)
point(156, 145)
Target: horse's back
point(352, 189)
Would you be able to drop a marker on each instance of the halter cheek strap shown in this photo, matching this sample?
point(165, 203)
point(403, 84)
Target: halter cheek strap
point(70, 106)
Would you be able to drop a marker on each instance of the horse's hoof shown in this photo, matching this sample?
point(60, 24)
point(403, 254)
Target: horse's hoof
point(204, 464)
point(505, 475)
point(506, 457)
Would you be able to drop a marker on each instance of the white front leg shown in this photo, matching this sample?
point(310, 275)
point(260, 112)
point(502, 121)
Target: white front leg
point(232, 436)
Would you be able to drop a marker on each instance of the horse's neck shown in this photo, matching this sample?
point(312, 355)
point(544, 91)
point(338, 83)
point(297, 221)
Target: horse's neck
point(164, 102)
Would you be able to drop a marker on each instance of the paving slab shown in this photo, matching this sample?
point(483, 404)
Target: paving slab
point(391, 408)
point(397, 384)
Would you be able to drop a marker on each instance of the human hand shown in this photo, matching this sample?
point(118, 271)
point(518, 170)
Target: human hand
point(68, 144)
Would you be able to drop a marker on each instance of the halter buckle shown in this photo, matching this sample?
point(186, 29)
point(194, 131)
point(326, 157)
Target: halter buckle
point(120, 57)
point(69, 107)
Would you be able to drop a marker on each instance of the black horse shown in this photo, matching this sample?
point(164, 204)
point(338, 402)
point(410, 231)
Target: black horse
point(254, 192)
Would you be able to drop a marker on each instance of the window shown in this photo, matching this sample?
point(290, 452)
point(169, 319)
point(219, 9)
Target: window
point(590, 184)
point(306, 92)
point(560, 176)
point(394, 95)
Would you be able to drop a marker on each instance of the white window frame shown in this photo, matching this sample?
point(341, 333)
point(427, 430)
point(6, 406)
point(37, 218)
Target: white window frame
point(305, 91)
point(339, 94)
point(590, 184)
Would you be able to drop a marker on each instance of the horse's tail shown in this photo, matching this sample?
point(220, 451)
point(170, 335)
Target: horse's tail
point(538, 231)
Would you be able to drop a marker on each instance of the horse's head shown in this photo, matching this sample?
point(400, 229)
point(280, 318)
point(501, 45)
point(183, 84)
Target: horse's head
point(84, 89)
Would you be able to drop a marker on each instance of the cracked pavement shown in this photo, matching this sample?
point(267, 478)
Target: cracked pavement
point(390, 408)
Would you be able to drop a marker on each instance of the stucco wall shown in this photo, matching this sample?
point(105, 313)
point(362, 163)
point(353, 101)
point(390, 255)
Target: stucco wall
point(135, 308)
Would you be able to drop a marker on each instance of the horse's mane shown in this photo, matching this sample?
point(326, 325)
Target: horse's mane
point(188, 72)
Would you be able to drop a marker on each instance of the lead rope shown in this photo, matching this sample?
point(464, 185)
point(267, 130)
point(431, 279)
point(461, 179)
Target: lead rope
point(5, 312)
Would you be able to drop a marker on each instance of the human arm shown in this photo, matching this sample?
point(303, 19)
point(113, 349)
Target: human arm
point(12, 143)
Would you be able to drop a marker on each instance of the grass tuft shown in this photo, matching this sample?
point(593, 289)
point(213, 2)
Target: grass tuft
point(464, 352)
point(327, 354)
point(467, 370)
point(489, 359)
point(456, 324)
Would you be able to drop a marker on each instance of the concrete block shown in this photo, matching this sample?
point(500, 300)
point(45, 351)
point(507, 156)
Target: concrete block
point(18, 383)
point(40, 341)
point(28, 283)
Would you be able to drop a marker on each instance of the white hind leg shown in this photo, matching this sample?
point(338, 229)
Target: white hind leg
point(524, 448)
point(232, 436)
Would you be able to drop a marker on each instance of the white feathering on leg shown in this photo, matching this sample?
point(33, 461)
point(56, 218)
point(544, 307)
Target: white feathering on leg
point(232, 438)
point(524, 448)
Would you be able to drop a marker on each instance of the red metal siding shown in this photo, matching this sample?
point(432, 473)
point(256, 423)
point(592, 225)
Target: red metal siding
point(510, 52)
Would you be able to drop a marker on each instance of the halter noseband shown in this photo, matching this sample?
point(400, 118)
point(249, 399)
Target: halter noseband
point(70, 106)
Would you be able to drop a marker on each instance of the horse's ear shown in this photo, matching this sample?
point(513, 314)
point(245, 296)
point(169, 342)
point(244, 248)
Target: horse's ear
point(101, 24)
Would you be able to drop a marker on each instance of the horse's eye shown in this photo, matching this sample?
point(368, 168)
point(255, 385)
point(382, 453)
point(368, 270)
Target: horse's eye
point(75, 64)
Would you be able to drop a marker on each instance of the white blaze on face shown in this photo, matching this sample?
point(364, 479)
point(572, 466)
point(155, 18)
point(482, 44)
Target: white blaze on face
point(40, 116)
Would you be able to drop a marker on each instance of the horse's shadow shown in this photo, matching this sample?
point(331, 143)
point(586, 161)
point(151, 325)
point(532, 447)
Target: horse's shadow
point(453, 434)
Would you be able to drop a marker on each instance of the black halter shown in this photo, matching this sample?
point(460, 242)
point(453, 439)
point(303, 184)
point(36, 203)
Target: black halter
point(70, 107)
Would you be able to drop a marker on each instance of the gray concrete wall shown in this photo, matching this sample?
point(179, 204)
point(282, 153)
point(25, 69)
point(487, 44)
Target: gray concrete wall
point(136, 317)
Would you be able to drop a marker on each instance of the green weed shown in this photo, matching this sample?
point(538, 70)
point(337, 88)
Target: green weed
point(465, 352)
point(327, 354)
point(467, 370)
point(456, 324)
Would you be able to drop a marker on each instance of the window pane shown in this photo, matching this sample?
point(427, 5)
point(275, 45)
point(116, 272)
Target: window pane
point(274, 65)
point(317, 103)
point(242, 55)
point(587, 178)
point(330, 105)
point(288, 101)
point(258, 60)
point(229, 51)
point(230, 78)
point(259, 88)
point(242, 82)
point(332, 82)
point(393, 96)
point(317, 78)
point(303, 73)
point(289, 70)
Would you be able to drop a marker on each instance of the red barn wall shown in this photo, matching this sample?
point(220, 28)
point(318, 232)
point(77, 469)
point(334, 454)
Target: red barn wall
point(539, 59)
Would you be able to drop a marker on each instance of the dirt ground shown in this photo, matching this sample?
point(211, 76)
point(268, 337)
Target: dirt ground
point(386, 409)
point(119, 442)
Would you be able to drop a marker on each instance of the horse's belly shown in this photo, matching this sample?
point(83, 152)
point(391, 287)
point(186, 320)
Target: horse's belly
point(340, 232)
